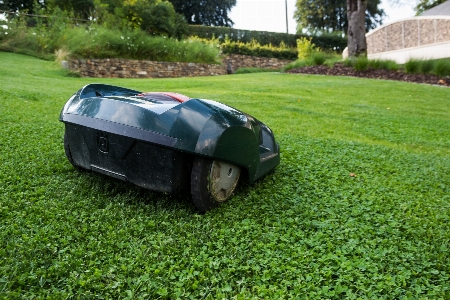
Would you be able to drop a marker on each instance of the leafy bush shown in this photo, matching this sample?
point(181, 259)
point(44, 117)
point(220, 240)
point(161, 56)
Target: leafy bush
point(305, 47)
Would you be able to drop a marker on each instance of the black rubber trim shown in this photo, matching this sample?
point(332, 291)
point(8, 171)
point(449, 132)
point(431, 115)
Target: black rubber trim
point(121, 129)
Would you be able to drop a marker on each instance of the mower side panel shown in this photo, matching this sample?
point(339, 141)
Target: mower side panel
point(147, 165)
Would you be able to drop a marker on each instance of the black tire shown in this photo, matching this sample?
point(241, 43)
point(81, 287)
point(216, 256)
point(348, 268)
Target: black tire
point(67, 151)
point(212, 182)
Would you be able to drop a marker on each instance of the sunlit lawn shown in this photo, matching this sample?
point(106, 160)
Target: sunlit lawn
point(359, 206)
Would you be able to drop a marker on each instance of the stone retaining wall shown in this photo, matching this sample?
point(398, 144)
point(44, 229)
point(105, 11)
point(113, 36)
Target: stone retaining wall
point(123, 68)
point(235, 61)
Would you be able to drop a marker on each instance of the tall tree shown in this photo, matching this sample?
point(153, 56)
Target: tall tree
point(326, 16)
point(205, 12)
point(356, 11)
point(424, 5)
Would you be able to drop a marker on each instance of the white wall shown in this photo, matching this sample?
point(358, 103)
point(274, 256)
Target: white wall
point(426, 52)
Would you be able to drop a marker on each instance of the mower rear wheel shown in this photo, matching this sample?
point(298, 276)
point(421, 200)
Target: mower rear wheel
point(212, 182)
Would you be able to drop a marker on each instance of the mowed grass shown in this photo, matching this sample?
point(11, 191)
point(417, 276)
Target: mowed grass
point(359, 207)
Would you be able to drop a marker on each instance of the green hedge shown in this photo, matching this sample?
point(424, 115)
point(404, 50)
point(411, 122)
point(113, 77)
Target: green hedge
point(328, 42)
point(325, 41)
point(261, 51)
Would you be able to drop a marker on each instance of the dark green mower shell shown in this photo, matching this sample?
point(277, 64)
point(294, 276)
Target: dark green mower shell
point(193, 127)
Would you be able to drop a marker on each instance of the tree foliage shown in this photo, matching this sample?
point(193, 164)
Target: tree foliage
point(326, 16)
point(424, 5)
point(156, 17)
point(20, 5)
point(205, 12)
point(153, 16)
point(80, 8)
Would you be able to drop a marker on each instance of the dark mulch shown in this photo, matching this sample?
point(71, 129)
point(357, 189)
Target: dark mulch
point(341, 70)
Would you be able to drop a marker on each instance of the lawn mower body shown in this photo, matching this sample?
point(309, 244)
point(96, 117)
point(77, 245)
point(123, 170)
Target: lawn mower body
point(151, 139)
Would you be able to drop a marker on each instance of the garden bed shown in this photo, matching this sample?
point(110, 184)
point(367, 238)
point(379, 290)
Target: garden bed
point(342, 70)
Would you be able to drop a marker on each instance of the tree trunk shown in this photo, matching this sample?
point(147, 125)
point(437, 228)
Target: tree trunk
point(356, 13)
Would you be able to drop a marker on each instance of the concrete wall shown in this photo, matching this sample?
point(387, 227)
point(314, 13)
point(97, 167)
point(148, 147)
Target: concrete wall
point(418, 37)
point(124, 68)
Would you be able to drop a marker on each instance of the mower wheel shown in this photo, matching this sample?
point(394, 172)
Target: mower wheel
point(68, 154)
point(212, 182)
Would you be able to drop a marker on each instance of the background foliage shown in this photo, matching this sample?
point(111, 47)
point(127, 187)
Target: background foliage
point(94, 41)
point(327, 16)
point(358, 208)
point(157, 18)
point(20, 5)
point(424, 5)
point(154, 16)
point(209, 13)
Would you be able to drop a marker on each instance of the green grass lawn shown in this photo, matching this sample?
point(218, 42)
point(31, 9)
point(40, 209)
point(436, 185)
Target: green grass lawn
point(358, 208)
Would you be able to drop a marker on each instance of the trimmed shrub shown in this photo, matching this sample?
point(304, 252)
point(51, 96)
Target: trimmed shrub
point(325, 41)
point(392, 65)
point(412, 66)
point(442, 67)
point(361, 63)
point(348, 62)
point(254, 48)
point(296, 64)
point(426, 66)
point(253, 70)
point(318, 58)
point(383, 64)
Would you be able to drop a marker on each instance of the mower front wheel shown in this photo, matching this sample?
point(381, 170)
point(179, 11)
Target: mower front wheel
point(212, 182)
